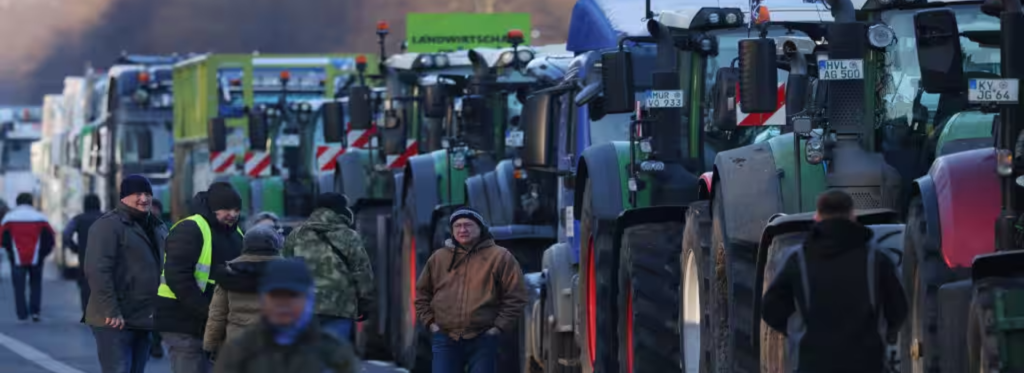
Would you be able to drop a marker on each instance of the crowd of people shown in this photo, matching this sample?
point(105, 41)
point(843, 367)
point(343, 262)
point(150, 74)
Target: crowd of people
point(226, 300)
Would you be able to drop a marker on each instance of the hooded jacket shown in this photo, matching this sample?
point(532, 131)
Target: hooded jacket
point(339, 263)
point(187, 314)
point(468, 291)
point(838, 329)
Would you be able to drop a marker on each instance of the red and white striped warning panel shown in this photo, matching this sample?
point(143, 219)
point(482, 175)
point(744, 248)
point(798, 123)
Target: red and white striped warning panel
point(222, 162)
point(327, 154)
point(399, 160)
point(778, 118)
point(257, 164)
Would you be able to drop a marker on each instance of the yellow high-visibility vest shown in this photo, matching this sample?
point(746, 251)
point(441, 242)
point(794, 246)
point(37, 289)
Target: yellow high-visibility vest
point(202, 273)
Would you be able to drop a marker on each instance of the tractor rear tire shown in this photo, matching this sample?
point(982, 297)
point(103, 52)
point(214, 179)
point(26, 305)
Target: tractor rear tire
point(649, 285)
point(598, 272)
point(371, 344)
point(412, 342)
point(774, 352)
point(924, 271)
point(696, 304)
point(734, 292)
point(954, 308)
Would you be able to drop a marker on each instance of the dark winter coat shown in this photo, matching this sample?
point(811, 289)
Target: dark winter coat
point(123, 267)
point(187, 314)
point(236, 304)
point(255, 351)
point(838, 329)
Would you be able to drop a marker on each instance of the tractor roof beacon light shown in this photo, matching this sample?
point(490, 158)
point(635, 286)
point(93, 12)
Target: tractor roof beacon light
point(382, 33)
point(881, 35)
point(285, 76)
point(382, 27)
point(143, 77)
point(515, 37)
point(361, 64)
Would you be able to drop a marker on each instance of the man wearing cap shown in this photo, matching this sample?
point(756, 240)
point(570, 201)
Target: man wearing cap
point(340, 266)
point(288, 337)
point(122, 265)
point(196, 247)
point(469, 293)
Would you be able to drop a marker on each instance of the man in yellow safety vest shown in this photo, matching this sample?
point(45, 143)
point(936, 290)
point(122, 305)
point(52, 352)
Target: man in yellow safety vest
point(195, 247)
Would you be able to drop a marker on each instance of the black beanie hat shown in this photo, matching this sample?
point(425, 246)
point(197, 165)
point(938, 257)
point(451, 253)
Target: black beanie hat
point(222, 196)
point(336, 202)
point(135, 184)
point(468, 213)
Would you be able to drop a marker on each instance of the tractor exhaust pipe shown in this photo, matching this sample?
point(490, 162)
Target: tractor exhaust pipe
point(842, 10)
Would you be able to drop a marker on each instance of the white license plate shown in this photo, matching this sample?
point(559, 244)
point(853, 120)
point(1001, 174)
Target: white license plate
point(664, 99)
point(288, 140)
point(992, 90)
point(514, 138)
point(840, 69)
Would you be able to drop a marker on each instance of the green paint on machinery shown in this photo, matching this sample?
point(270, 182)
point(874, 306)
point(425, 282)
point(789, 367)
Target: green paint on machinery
point(812, 177)
point(450, 180)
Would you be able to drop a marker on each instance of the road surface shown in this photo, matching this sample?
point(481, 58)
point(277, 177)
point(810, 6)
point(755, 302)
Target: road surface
point(59, 343)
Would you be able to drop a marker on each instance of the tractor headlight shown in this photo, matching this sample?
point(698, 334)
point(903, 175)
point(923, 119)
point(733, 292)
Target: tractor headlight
point(441, 60)
point(506, 58)
point(732, 18)
point(881, 35)
point(427, 61)
point(713, 18)
point(140, 96)
point(524, 55)
point(814, 150)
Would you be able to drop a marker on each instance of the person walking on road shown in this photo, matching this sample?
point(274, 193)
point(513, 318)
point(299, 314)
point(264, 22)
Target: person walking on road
point(236, 302)
point(76, 238)
point(847, 295)
point(340, 265)
point(197, 248)
point(122, 266)
point(28, 238)
point(288, 337)
point(469, 293)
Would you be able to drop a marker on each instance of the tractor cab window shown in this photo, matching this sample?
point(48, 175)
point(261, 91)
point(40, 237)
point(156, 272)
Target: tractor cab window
point(143, 142)
point(98, 100)
point(904, 72)
point(17, 155)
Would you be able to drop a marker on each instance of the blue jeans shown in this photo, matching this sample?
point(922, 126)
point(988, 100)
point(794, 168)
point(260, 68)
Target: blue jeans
point(186, 353)
point(122, 350)
point(341, 328)
point(479, 355)
point(35, 284)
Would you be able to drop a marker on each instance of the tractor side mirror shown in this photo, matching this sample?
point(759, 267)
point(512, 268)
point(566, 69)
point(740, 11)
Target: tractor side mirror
point(938, 51)
point(724, 99)
point(759, 76)
point(334, 122)
point(257, 131)
point(392, 134)
point(217, 135)
point(617, 75)
point(360, 107)
point(539, 148)
point(434, 105)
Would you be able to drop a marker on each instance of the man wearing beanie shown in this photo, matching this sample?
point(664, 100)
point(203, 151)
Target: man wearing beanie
point(122, 265)
point(197, 249)
point(287, 337)
point(340, 266)
point(469, 293)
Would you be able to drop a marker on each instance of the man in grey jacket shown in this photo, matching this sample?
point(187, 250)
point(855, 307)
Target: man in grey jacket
point(123, 269)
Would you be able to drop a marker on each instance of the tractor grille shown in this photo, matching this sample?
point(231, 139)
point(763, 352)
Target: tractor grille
point(866, 198)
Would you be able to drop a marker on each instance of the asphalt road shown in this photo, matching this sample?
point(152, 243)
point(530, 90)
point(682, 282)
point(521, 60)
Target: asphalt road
point(59, 343)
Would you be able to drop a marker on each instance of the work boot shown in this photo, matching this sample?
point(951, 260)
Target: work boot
point(156, 351)
point(35, 317)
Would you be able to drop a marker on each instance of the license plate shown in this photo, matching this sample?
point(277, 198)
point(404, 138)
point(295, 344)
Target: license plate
point(840, 69)
point(992, 90)
point(514, 138)
point(288, 140)
point(665, 99)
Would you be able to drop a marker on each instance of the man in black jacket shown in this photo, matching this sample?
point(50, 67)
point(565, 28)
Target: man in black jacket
point(123, 266)
point(842, 289)
point(196, 248)
point(76, 238)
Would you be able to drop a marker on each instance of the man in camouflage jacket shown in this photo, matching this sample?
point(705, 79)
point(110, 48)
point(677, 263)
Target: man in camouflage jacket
point(336, 257)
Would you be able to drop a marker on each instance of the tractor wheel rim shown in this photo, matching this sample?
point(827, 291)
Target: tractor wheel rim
point(691, 316)
point(591, 302)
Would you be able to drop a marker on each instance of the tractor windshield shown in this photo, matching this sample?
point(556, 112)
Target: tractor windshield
point(904, 72)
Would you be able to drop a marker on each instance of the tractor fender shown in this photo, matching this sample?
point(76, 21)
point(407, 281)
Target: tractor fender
point(420, 174)
point(505, 172)
point(599, 163)
point(747, 176)
point(704, 186)
point(925, 188)
point(558, 273)
point(968, 198)
point(494, 197)
point(476, 196)
point(350, 174)
point(998, 264)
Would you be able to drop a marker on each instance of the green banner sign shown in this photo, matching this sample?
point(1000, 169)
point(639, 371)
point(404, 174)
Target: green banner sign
point(435, 32)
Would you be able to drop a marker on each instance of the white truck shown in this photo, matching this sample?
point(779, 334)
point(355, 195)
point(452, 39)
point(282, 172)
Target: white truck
point(19, 128)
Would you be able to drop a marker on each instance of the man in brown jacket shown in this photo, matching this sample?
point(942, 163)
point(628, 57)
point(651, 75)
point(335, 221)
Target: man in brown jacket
point(469, 293)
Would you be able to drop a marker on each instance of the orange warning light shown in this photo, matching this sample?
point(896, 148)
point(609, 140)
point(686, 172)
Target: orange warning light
point(236, 82)
point(143, 77)
point(285, 75)
point(382, 25)
point(515, 34)
point(361, 59)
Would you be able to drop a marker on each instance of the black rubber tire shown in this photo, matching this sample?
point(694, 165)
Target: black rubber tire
point(977, 352)
point(924, 271)
point(605, 267)
point(371, 344)
point(412, 342)
point(649, 286)
point(954, 304)
point(697, 243)
point(773, 344)
point(734, 292)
